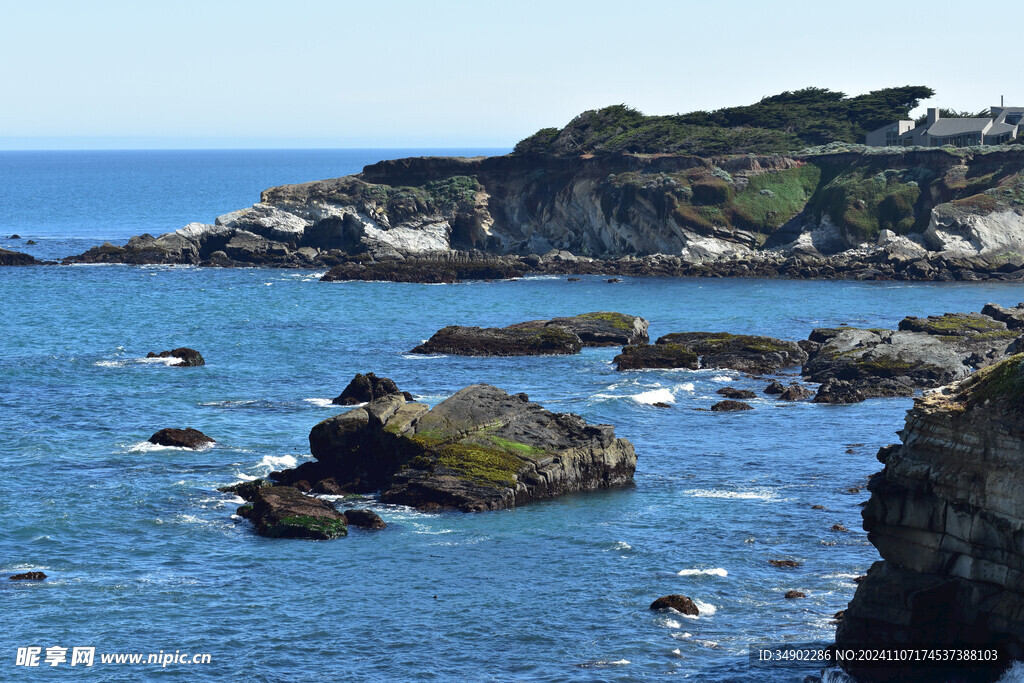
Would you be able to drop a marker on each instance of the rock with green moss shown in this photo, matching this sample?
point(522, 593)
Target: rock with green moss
point(481, 449)
point(923, 353)
point(669, 356)
point(743, 352)
point(604, 328)
point(516, 340)
point(285, 512)
point(246, 490)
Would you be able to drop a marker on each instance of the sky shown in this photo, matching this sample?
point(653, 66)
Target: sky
point(393, 73)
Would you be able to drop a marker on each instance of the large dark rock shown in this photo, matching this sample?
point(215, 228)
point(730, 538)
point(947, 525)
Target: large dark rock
point(736, 394)
point(643, 356)
point(743, 352)
point(189, 357)
point(795, 392)
point(16, 258)
point(730, 406)
point(605, 328)
point(365, 388)
point(285, 512)
point(922, 353)
point(28, 576)
point(838, 391)
point(947, 517)
point(517, 340)
point(481, 449)
point(181, 438)
point(366, 519)
point(679, 603)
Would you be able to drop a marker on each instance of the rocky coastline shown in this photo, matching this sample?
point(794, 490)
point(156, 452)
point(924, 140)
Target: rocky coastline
point(827, 213)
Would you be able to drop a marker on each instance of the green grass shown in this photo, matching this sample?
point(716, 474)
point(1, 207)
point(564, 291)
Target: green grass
point(1003, 381)
point(489, 466)
point(330, 528)
point(617, 320)
point(516, 447)
point(772, 199)
point(961, 326)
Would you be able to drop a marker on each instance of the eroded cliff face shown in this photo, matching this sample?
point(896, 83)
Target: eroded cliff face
point(888, 214)
point(947, 516)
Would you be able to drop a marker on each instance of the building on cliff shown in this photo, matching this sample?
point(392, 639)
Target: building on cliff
point(1001, 127)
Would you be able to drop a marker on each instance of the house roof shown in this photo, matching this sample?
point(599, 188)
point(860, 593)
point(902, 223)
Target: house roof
point(998, 128)
point(946, 127)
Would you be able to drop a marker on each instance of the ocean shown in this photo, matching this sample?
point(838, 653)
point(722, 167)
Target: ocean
point(145, 556)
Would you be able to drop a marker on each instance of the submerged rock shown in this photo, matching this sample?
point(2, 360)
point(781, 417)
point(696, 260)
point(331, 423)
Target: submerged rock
point(730, 406)
point(285, 512)
point(792, 595)
point(679, 603)
point(28, 576)
point(947, 514)
point(743, 352)
point(189, 357)
point(481, 449)
point(502, 341)
point(643, 356)
point(365, 388)
point(784, 564)
point(181, 438)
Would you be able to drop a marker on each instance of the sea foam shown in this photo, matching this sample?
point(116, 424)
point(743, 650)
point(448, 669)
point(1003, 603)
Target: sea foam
point(717, 571)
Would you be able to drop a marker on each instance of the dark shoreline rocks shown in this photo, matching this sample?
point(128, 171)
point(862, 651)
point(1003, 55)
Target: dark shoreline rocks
point(182, 438)
point(16, 258)
point(728, 406)
point(189, 358)
point(679, 603)
point(481, 449)
point(28, 576)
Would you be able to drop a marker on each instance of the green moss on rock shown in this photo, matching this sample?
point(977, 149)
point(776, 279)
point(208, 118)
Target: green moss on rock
point(317, 526)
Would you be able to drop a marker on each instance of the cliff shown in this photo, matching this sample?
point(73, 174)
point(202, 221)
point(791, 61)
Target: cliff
point(828, 212)
point(947, 516)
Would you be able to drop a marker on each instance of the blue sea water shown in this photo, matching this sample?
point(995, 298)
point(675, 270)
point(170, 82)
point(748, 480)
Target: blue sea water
point(144, 555)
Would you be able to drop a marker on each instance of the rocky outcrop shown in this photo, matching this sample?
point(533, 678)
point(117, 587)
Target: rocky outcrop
point(679, 603)
point(246, 490)
point(947, 514)
point(557, 336)
point(28, 576)
point(364, 519)
point(515, 340)
point(736, 394)
point(743, 352)
point(481, 449)
point(795, 392)
point(922, 353)
point(641, 356)
point(182, 438)
point(16, 258)
point(728, 406)
point(188, 358)
point(285, 512)
point(365, 388)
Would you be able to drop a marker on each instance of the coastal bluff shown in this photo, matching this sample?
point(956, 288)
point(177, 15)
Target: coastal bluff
point(947, 516)
point(829, 212)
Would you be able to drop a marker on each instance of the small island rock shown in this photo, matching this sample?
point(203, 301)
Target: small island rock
point(181, 438)
point(190, 358)
point(679, 603)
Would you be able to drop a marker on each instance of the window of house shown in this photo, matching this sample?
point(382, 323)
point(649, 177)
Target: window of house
point(1013, 119)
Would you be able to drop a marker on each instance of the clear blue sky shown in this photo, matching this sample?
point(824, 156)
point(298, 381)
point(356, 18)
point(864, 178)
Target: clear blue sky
point(390, 73)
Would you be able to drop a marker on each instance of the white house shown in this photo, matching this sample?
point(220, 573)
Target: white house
point(1001, 127)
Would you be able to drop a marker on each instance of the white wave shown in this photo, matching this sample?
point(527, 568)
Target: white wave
point(705, 608)
point(738, 495)
point(109, 363)
point(682, 636)
point(670, 623)
point(320, 402)
point(423, 356)
point(168, 361)
point(145, 447)
point(721, 378)
point(686, 386)
point(717, 571)
point(655, 396)
point(278, 461)
point(622, 545)
point(245, 477)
